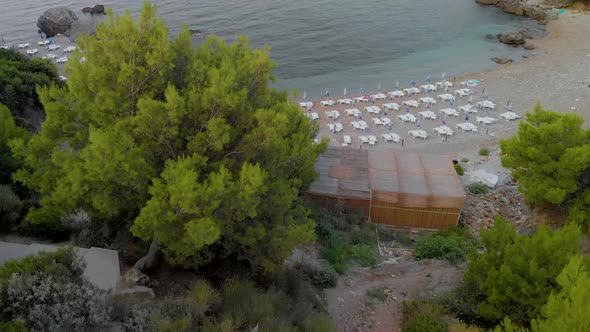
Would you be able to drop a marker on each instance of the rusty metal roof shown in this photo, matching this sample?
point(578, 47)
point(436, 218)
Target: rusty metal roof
point(401, 178)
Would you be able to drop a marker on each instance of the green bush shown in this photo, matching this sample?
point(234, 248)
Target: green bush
point(478, 188)
point(365, 254)
point(459, 169)
point(320, 275)
point(363, 236)
point(484, 152)
point(439, 247)
point(422, 316)
point(319, 323)
point(464, 160)
point(60, 264)
point(324, 231)
point(13, 326)
point(338, 256)
point(464, 302)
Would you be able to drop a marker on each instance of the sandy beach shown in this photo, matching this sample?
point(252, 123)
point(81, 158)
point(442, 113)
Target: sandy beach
point(557, 74)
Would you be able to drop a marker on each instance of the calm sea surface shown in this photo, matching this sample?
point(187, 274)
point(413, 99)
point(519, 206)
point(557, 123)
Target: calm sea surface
point(328, 44)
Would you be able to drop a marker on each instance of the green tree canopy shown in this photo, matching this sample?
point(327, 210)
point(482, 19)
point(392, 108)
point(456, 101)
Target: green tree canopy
point(190, 144)
point(550, 157)
point(517, 272)
point(19, 77)
point(8, 131)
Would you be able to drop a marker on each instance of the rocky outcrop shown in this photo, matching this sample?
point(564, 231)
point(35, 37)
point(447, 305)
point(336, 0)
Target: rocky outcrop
point(501, 60)
point(513, 38)
point(56, 20)
point(529, 46)
point(521, 7)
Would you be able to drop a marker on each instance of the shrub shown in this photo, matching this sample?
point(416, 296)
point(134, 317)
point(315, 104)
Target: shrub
point(478, 188)
point(377, 293)
point(459, 169)
point(440, 247)
point(484, 152)
point(464, 302)
point(49, 293)
point(319, 323)
point(324, 231)
point(10, 208)
point(13, 326)
point(421, 316)
point(365, 254)
point(363, 236)
point(464, 160)
point(338, 256)
point(320, 275)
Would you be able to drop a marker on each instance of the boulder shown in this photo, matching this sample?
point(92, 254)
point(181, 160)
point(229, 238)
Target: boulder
point(512, 38)
point(86, 10)
point(529, 46)
point(98, 9)
point(56, 20)
point(501, 60)
point(135, 277)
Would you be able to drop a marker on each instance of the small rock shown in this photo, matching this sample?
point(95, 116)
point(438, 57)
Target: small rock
point(135, 277)
point(512, 38)
point(501, 60)
point(529, 46)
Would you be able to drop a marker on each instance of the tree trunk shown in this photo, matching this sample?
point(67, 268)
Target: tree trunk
point(149, 261)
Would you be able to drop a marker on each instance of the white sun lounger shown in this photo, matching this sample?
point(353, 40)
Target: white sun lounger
point(391, 106)
point(70, 49)
point(428, 87)
point(306, 104)
point(467, 126)
point(43, 42)
point(364, 139)
point(63, 78)
point(444, 84)
point(407, 118)
point(313, 116)
point(485, 120)
point(32, 51)
point(411, 103)
point(411, 90)
point(327, 103)
point(373, 109)
point(346, 140)
point(63, 59)
point(24, 45)
point(427, 100)
point(338, 127)
point(372, 140)
point(334, 114)
point(468, 109)
point(428, 115)
point(379, 96)
point(443, 131)
point(446, 97)
point(396, 93)
point(418, 134)
point(486, 104)
point(463, 92)
point(345, 101)
point(450, 112)
point(508, 116)
point(362, 99)
point(377, 122)
point(54, 47)
point(385, 121)
point(353, 112)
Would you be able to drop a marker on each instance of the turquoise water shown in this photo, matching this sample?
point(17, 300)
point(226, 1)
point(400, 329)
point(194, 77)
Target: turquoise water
point(329, 44)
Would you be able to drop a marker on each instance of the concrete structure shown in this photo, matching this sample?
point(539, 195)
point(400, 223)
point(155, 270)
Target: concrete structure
point(102, 265)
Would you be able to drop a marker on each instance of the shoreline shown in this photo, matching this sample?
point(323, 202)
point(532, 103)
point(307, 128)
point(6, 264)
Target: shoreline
point(558, 77)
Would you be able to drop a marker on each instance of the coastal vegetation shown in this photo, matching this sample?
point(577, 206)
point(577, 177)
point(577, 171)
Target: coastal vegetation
point(550, 158)
point(189, 151)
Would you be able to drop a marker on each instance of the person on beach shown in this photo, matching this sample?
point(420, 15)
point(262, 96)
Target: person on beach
point(402, 142)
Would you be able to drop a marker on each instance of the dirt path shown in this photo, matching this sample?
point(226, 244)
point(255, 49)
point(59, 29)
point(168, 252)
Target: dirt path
point(352, 310)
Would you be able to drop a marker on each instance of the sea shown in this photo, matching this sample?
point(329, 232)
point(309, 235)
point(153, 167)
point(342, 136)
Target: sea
point(325, 46)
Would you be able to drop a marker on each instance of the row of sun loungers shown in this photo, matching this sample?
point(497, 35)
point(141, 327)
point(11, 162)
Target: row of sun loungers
point(446, 97)
point(391, 106)
point(428, 87)
point(359, 125)
point(371, 139)
point(427, 100)
point(410, 103)
point(486, 104)
point(468, 108)
point(464, 92)
point(379, 96)
point(345, 101)
point(306, 104)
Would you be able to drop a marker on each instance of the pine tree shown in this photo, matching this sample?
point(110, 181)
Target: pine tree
point(189, 144)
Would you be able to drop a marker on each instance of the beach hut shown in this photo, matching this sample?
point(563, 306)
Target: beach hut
point(391, 188)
